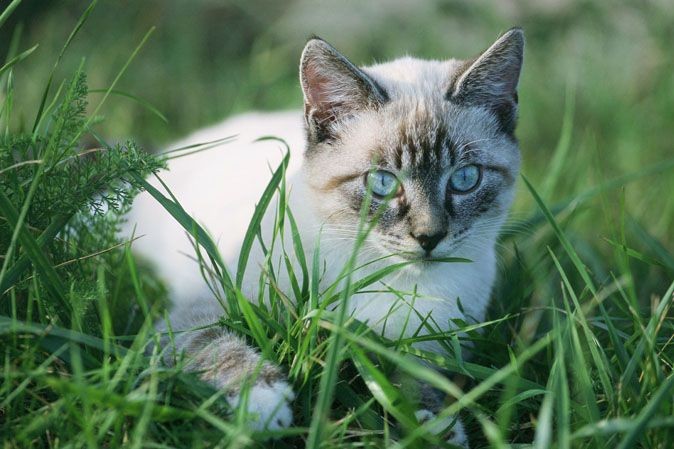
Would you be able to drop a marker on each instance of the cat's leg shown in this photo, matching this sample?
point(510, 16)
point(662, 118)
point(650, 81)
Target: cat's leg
point(430, 403)
point(449, 428)
point(226, 362)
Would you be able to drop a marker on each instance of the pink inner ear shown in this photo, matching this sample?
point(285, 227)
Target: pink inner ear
point(319, 102)
point(317, 87)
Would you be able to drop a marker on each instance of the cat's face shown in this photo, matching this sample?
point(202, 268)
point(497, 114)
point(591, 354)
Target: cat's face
point(430, 144)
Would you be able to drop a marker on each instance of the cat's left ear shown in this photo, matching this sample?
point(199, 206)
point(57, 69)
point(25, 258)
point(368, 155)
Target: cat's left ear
point(491, 79)
point(334, 88)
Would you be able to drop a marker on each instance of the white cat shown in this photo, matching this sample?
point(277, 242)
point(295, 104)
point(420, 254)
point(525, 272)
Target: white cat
point(433, 143)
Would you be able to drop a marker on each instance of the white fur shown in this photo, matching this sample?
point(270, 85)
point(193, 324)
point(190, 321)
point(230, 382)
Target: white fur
point(267, 406)
point(439, 426)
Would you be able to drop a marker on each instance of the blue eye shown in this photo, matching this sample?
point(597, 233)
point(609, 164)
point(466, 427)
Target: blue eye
point(465, 179)
point(382, 183)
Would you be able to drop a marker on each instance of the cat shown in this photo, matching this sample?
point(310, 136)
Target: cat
point(431, 141)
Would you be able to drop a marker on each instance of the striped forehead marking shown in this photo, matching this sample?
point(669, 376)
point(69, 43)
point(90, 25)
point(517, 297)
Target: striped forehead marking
point(423, 148)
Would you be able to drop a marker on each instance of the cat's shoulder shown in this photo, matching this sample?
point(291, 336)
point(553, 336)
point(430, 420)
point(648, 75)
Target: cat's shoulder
point(218, 182)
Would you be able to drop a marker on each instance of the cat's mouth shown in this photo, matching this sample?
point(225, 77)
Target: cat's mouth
point(418, 256)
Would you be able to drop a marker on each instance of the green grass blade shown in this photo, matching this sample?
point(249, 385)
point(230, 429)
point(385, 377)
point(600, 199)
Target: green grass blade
point(256, 221)
point(8, 11)
point(560, 156)
point(13, 273)
point(190, 225)
point(16, 59)
point(382, 390)
point(603, 367)
point(121, 72)
point(645, 338)
point(144, 103)
point(570, 251)
point(543, 437)
point(37, 256)
point(642, 420)
point(73, 33)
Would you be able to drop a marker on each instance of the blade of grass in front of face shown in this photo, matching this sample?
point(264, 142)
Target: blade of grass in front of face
point(329, 374)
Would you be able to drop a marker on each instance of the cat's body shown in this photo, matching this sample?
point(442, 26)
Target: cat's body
point(434, 143)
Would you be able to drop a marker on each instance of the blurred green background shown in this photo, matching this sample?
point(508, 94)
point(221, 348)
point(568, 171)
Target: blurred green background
point(609, 65)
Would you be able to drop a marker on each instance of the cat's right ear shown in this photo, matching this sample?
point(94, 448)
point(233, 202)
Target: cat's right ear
point(491, 79)
point(334, 88)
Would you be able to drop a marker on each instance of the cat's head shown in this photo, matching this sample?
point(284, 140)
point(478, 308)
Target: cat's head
point(432, 140)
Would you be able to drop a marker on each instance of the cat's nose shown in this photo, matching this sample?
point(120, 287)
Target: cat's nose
point(429, 242)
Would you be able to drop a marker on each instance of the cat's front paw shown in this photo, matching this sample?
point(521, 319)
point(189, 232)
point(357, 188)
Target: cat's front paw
point(267, 405)
point(450, 428)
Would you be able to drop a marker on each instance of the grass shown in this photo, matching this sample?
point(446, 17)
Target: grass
point(576, 353)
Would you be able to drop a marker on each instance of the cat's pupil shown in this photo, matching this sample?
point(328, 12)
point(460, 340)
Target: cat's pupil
point(465, 179)
point(383, 183)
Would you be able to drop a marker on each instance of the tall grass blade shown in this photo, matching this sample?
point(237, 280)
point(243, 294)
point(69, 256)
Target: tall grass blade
point(8, 11)
point(256, 221)
point(73, 33)
point(16, 59)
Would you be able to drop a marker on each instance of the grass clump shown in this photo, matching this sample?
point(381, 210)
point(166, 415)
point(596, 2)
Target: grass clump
point(577, 352)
